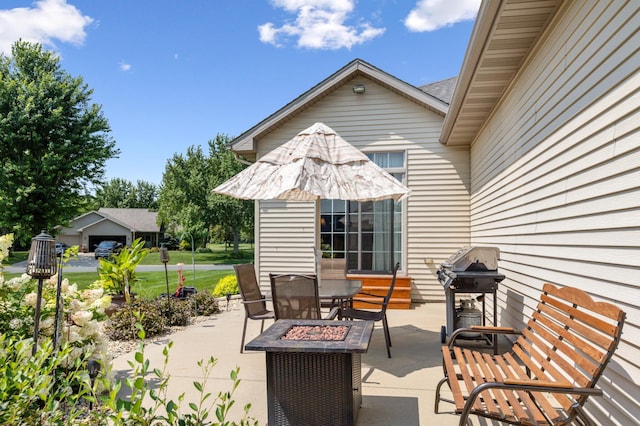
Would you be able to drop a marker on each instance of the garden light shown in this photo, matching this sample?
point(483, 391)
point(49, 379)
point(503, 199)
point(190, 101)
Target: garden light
point(41, 264)
point(93, 367)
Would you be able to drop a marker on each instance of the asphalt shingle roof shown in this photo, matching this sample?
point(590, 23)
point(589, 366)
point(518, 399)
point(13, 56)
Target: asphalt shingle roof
point(442, 90)
point(142, 220)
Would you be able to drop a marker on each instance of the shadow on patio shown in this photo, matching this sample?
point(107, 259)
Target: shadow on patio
point(396, 391)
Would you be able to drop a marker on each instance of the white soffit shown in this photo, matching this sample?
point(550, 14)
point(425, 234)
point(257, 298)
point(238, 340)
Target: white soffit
point(504, 34)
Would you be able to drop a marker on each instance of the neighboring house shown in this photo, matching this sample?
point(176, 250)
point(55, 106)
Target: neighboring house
point(538, 154)
point(122, 225)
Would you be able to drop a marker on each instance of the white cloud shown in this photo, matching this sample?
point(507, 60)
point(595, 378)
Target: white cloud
point(319, 24)
point(125, 66)
point(430, 15)
point(47, 21)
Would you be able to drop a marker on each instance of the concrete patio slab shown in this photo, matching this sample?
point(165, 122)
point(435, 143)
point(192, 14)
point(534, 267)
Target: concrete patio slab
point(396, 391)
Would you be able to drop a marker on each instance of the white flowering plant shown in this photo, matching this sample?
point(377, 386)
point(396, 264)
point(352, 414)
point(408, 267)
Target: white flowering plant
point(82, 312)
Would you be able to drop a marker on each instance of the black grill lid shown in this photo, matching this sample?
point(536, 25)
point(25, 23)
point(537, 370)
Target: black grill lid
point(473, 259)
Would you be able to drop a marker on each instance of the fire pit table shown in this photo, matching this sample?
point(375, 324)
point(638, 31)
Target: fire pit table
point(313, 370)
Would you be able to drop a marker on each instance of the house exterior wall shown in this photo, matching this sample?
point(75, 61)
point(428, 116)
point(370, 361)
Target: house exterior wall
point(71, 235)
point(555, 180)
point(72, 231)
point(69, 240)
point(380, 120)
point(105, 228)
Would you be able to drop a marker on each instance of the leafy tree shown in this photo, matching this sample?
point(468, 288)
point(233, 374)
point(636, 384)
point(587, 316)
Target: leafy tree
point(121, 193)
point(187, 204)
point(183, 195)
point(146, 195)
point(53, 141)
point(232, 214)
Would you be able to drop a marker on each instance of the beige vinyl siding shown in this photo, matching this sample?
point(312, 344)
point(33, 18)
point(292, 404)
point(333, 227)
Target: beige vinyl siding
point(555, 180)
point(286, 231)
point(380, 120)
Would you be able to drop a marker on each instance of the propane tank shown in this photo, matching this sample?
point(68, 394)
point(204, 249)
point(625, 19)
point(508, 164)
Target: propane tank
point(468, 315)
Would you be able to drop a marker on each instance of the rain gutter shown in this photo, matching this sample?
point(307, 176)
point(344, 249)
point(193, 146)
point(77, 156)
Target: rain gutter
point(236, 156)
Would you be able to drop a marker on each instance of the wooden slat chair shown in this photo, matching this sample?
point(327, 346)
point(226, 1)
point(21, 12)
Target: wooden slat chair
point(549, 373)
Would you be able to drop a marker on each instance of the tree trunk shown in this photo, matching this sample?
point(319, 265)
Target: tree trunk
point(236, 242)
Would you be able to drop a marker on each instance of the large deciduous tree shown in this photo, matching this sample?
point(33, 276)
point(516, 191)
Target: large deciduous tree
point(121, 193)
point(53, 141)
point(187, 204)
point(183, 195)
point(231, 214)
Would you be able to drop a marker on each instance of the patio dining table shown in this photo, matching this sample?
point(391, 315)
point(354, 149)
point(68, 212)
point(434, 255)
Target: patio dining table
point(339, 289)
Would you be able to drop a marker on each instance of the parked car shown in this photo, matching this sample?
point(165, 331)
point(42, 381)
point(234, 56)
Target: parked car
point(60, 248)
point(107, 248)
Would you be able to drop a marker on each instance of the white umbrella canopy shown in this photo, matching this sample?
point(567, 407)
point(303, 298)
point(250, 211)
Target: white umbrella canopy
point(316, 164)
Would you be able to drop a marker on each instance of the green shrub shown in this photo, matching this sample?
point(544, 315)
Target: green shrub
point(180, 314)
point(41, 389)
point(205, 302)
point(83, 309)
point(226, 285)
point(203, 250)
point(122, 324)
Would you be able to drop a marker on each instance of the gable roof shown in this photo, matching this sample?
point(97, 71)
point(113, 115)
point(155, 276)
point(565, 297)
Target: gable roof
point(246, 141)
point(139, 220)
point(503, 36)
point(102, 219)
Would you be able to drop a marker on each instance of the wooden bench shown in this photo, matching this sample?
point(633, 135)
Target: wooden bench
point(551, 369)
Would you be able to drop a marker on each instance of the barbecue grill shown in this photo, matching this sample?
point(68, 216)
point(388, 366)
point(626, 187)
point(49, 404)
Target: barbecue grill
point(470, 270)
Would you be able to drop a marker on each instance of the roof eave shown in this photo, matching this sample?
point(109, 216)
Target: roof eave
point(487, 14)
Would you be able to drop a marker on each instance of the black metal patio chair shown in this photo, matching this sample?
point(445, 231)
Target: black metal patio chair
point(255, 306)
point(374, 300)
point(295, 296)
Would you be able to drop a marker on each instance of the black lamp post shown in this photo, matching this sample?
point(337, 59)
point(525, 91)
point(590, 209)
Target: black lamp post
point(41, 264)
point(193, 267)
point(164, 258)
point(56, 324)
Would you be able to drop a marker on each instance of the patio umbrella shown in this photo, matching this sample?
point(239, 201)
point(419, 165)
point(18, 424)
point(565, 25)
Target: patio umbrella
point(316, 164)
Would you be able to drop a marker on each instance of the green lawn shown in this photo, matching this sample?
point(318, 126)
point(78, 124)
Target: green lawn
point(219, 256)
point(152, 284)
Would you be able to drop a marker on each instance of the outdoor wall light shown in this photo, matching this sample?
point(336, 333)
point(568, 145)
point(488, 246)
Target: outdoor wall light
point(358, 88)
point(41, 264)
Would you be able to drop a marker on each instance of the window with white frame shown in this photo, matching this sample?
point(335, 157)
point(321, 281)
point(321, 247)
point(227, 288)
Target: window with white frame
point(367, 234)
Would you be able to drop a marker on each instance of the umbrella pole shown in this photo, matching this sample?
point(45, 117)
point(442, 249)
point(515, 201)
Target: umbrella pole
point(318, 241)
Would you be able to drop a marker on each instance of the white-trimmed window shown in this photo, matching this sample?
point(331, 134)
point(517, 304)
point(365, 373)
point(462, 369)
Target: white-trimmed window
point(368, 234)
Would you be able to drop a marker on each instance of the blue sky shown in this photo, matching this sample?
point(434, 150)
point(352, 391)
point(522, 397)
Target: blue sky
point(174, 73)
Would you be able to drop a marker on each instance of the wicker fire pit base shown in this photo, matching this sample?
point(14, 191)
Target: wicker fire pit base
point(314, 381)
